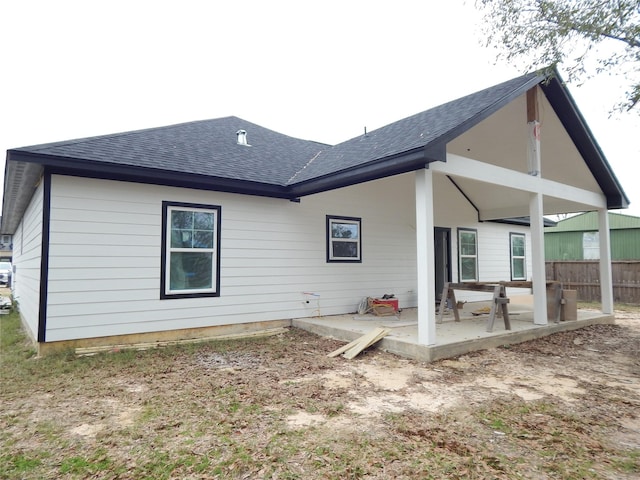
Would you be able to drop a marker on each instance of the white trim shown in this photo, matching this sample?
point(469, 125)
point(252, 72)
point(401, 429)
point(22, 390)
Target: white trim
point(461, 255)
point(522, 257)
point(538, 268)
point(425, 257)
point(606, 277)
point(211, 251)
point(473, 169)
point(331, 239)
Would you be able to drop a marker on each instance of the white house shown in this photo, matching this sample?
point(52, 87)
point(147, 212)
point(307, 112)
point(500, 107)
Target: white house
point(174, 231)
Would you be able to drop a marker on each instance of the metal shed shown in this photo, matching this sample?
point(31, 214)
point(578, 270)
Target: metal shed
point(576, 238)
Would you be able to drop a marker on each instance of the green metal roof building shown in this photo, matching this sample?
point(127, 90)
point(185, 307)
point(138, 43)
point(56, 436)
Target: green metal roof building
point(576, 238)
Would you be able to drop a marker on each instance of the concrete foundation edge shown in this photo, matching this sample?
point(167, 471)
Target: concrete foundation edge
point(431, 353)
point(393, 345)
point(171, 336)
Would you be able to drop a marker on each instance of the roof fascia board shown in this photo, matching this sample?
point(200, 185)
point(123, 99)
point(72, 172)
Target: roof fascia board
point(197, 182)
point(73, 167)
point(385, 167)
point(574, 123)
point(414, 160)
point(522, 221)
point(436, 151)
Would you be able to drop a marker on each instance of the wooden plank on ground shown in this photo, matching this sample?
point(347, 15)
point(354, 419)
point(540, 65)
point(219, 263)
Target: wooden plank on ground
point(366, 341)
point(361, 343)
point(344, 348)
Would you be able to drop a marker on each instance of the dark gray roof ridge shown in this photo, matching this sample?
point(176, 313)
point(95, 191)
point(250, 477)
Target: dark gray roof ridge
point(42, 146)
point(292, 179)
point(72, 141)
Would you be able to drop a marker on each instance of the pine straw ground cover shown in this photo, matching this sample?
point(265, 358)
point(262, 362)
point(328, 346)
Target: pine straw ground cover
point(565, 406)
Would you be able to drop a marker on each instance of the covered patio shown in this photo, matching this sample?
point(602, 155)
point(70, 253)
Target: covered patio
point(453, 338)
point(506, 156)
point(501, 180)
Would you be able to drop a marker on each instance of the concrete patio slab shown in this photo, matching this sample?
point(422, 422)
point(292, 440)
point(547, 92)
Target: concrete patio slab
point(452, 338)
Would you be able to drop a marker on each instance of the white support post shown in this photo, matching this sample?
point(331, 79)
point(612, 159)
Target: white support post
point(425, 258)
point(537, 261)
point(536, 212)
point(606, 278)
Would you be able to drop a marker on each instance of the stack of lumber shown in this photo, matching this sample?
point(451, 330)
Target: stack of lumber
point(352, 349)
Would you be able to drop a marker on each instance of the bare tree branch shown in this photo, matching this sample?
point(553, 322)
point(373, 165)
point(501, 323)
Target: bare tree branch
point(548, 32)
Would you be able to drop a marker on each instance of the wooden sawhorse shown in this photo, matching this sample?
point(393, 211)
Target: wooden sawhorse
point(498, 304)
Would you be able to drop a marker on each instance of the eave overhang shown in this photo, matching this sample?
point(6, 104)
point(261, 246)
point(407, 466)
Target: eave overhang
point(380, 168)
point(20, 182)
point(523, 221)
point(24, 170)
point(35, 165)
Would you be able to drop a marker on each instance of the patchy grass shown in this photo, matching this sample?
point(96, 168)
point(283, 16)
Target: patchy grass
point(563, 407)
point(620, 307)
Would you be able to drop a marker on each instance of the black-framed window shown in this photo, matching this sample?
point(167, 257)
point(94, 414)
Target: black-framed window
point(467, 255)
point(344, 239)
point(517, 252)
point(190, 250)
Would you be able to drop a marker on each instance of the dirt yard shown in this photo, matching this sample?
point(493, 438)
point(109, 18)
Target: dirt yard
point(566, 406)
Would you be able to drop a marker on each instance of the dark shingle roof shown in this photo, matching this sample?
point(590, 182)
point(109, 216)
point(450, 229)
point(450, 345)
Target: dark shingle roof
point(205, 154)
point(207, 148)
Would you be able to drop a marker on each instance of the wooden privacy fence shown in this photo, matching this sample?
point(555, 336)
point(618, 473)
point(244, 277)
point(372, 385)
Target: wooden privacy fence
point(584, 276)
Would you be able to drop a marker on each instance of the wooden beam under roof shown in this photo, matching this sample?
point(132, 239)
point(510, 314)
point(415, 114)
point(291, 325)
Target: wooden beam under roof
point(533, 110)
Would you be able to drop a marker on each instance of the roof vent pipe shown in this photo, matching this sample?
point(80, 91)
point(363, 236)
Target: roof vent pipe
point(242, 138)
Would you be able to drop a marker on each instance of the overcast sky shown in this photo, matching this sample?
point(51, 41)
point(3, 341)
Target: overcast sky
point(317, 70)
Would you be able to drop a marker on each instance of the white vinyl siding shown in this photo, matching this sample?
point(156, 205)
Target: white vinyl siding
point(493, 239)
point(105, 254)
point(27, 258)
point(494, 263)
